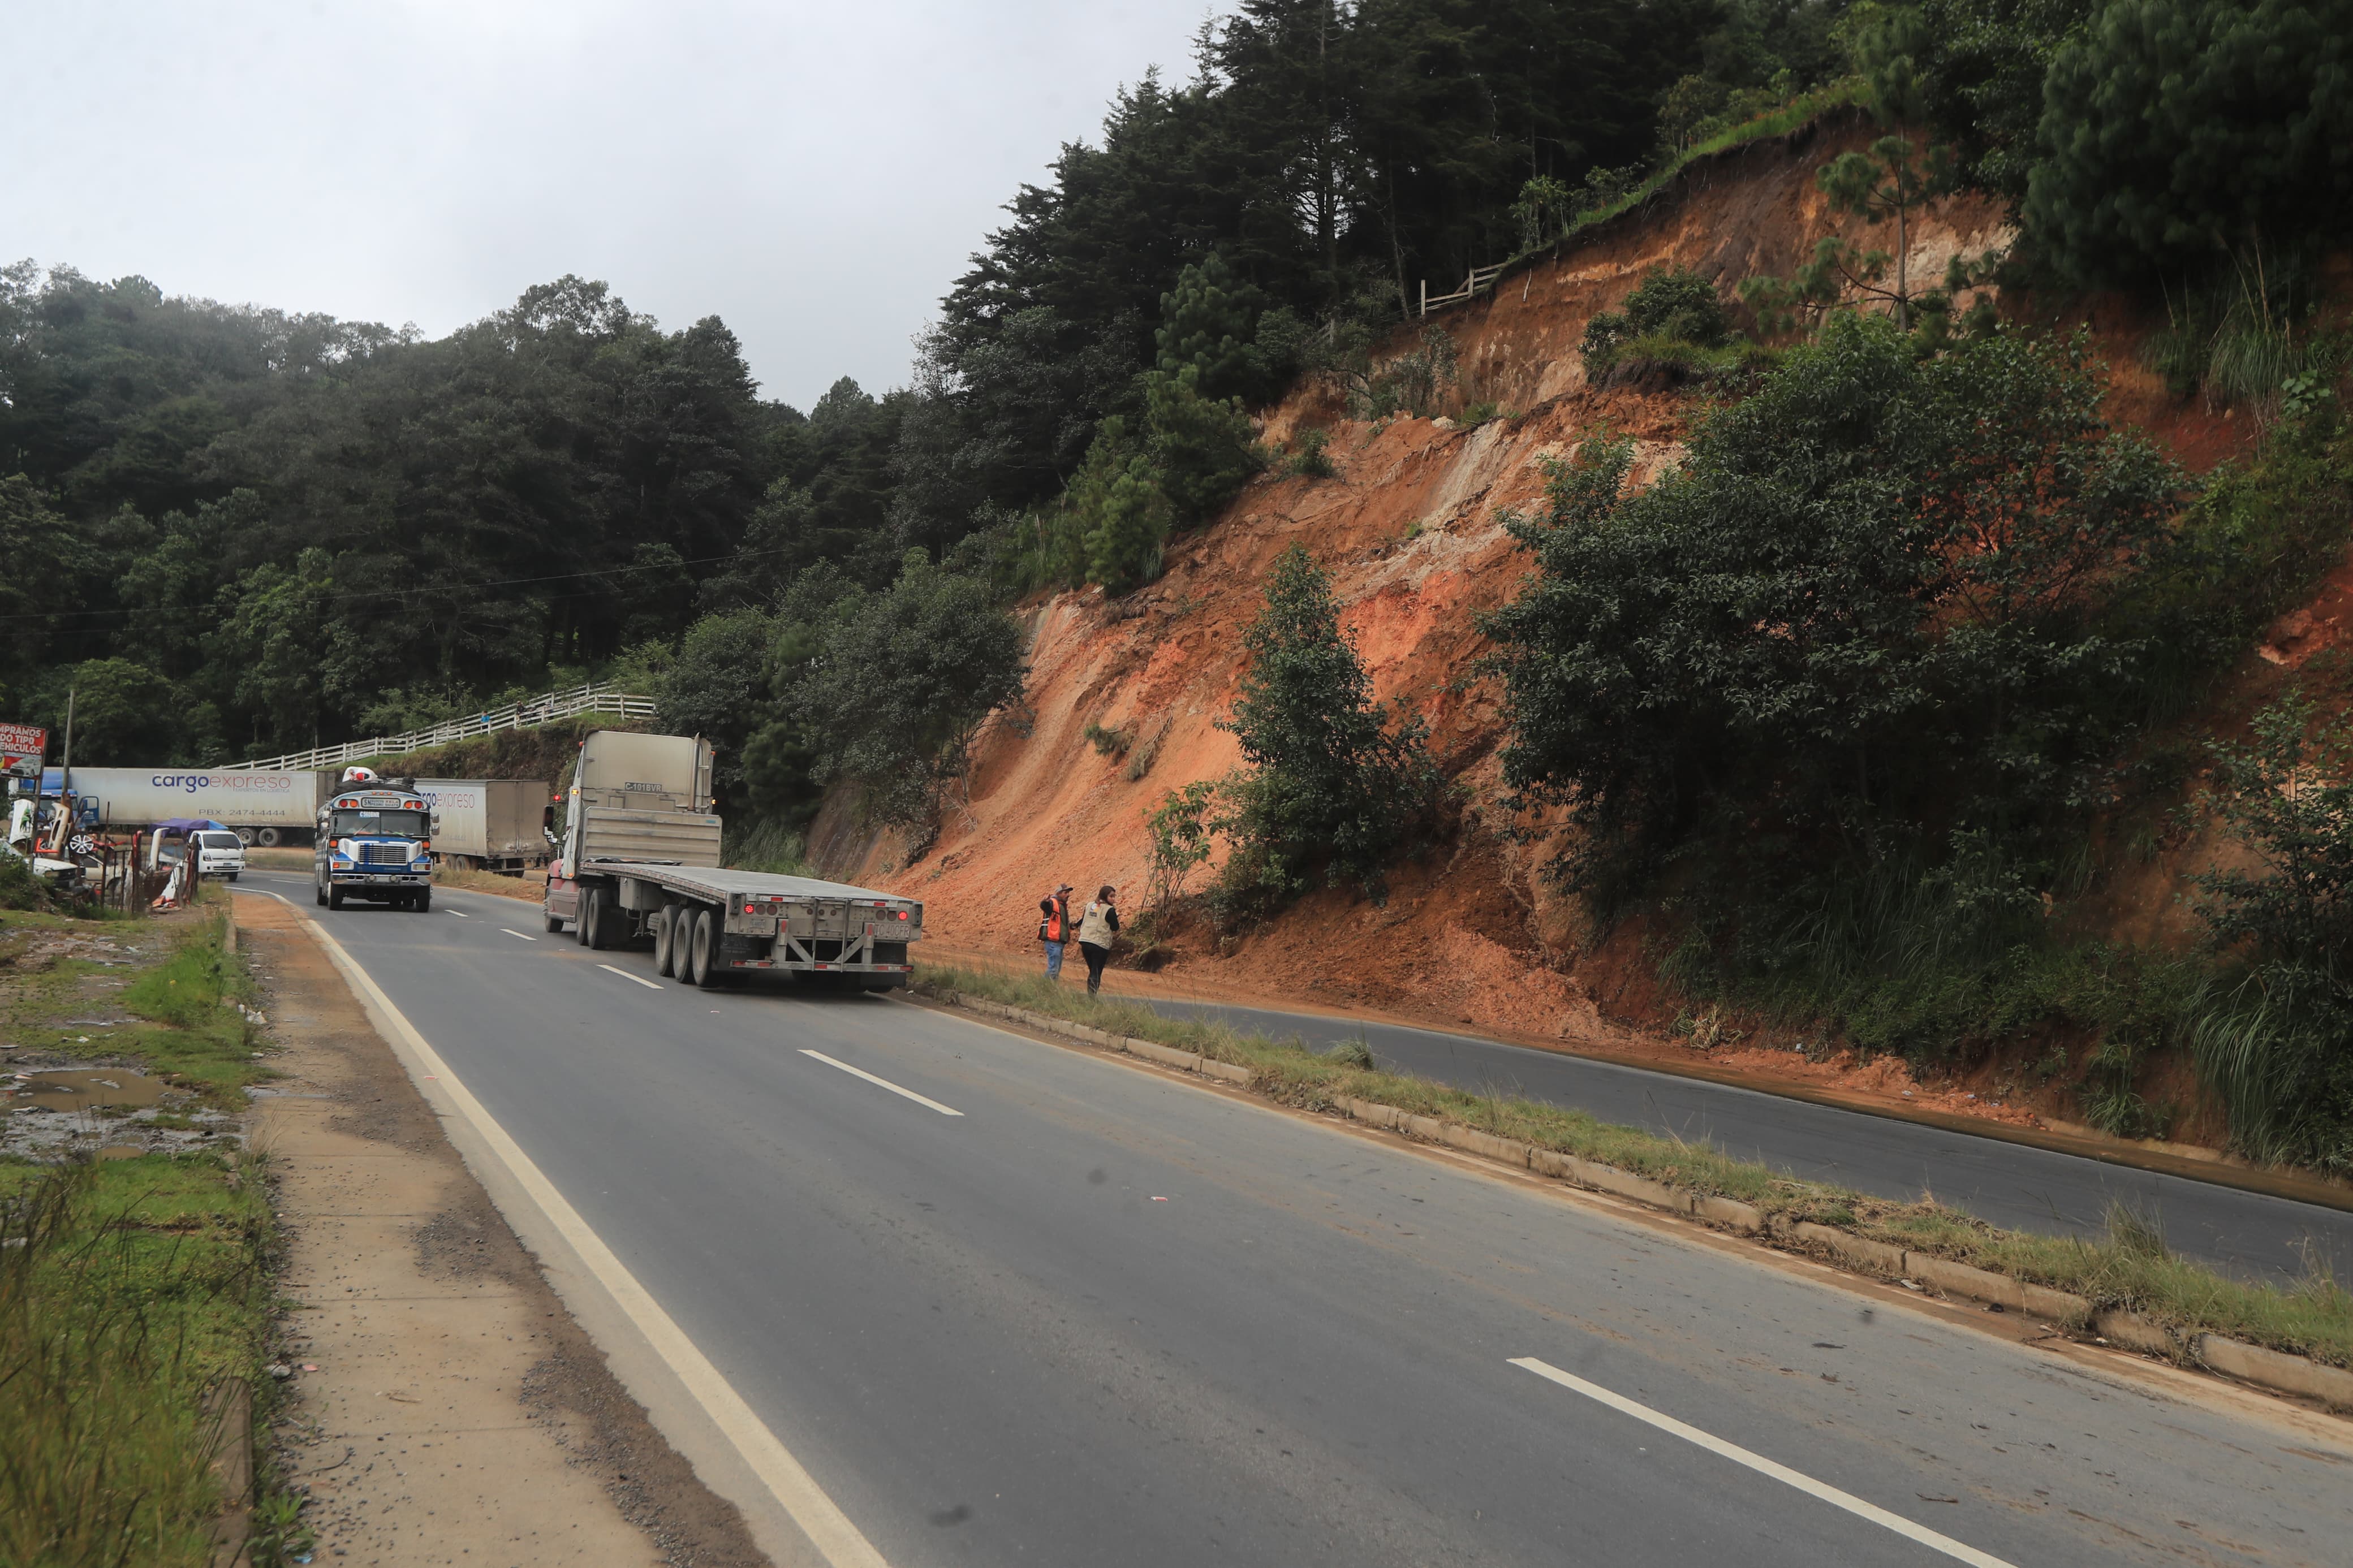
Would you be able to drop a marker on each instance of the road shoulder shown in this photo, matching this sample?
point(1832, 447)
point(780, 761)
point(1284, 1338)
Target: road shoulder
point(444, 1406)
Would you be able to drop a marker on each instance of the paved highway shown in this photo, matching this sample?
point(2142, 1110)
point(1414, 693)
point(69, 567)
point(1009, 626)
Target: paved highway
point(2011, 1185)
point(1010, 1304)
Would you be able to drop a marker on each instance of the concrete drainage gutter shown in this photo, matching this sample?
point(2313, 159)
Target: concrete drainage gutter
point(2267, 1369)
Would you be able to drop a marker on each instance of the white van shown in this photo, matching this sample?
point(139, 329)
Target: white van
point(219, 853)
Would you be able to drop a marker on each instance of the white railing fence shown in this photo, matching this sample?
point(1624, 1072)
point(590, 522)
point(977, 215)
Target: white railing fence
point(590, 699)
point(1480, 279)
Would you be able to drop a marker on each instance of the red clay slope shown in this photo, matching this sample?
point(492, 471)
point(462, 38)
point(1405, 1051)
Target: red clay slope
point(1410, 527)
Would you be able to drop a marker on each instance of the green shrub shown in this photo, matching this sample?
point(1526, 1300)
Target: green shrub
point(1200, 448)
point(1672, 305)
point(2280, 1047)
point(1109, 742)
point(1308, 460)
point(1862, 611)
point(19, 887)
point(1330, 792)
point(899, 684)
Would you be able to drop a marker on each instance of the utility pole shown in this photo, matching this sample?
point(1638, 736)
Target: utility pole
point(65, 778)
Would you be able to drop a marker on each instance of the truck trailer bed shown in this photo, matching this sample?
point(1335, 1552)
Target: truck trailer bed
point(765, 920)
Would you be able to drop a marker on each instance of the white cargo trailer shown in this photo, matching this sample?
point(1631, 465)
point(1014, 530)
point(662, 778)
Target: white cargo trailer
point(262, 807)
point(491, 824)
point(640, 860)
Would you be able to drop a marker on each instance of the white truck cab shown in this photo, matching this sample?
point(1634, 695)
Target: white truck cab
point(219, 853)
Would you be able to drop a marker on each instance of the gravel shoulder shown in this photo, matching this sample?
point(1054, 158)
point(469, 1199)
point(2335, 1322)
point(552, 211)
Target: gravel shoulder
point(443, 1406)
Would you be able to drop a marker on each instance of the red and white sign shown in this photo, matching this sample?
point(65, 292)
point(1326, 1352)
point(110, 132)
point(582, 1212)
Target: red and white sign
point(22, 747)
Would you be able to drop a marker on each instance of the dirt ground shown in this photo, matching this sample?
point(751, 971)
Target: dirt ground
point(443, 1408)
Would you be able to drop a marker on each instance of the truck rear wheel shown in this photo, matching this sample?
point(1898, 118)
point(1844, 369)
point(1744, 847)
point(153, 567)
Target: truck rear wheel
point(267, 839)
point(704, 954)
point(665, 940)
point(592, 918)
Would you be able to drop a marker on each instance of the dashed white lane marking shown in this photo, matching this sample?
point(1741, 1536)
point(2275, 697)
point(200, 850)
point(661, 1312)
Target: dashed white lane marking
point(1959, 1551)
point(885, 1083)
point(634, 979)
point(511, 932)
point(460, 913)
point(838, 1541)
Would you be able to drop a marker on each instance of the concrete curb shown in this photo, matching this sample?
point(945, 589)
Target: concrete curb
point(2267, 1369)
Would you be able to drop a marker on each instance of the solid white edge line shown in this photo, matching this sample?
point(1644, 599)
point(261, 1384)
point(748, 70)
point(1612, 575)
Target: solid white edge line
point(885, 1083)
point(828, 1530)
point(1960, 1551)
point(513, 932)
point(637, 979)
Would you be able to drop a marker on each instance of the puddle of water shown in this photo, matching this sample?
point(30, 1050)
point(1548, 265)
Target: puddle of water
point(84, 1090)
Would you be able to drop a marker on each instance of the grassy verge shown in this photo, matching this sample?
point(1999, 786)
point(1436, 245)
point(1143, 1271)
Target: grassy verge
point(128, 1289)
point(188, 1020)
point(2129, 1269)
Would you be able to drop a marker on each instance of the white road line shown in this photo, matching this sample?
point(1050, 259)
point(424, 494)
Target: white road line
point(838, 1541)
point(1854, 1505)
point(636, 979)
point(884, 1083)
point(510, 931)
point(460, 913)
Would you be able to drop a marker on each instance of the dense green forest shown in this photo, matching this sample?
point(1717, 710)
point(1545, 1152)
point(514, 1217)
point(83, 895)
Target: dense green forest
point(236, 531)
point(233, 531)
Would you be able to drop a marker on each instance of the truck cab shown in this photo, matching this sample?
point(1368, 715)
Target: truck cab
point(377, 844)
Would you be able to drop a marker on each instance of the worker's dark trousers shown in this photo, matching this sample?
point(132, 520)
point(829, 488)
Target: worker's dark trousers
point(1095, 956)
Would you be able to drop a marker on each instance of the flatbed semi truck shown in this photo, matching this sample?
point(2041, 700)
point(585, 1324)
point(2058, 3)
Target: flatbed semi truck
point(638, 861)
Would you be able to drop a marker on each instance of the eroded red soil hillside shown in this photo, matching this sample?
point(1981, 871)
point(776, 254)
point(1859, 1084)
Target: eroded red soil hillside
point(1412, 528)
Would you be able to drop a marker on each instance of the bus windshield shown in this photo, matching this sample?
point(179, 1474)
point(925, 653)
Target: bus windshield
point(382, 824)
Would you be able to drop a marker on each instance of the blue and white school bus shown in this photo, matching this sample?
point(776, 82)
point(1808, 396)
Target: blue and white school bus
point(376, 844)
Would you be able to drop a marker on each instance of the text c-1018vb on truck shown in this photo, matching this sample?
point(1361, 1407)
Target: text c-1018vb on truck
point(375, 841)
point(639, 860)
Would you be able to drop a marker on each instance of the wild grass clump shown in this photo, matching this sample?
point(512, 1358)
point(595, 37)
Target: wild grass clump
point(2133, 1268)
point(200, 1034)
point(2130, 1267)
point(127, 1289)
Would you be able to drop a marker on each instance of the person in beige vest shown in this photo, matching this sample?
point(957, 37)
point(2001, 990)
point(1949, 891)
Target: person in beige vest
point(1097, 926)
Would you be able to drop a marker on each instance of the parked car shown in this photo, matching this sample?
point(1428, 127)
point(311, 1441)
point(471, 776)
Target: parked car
point(219, 853)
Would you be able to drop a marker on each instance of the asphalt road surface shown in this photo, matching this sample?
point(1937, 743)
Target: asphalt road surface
point(1010, 1303)
point(2011, 1185)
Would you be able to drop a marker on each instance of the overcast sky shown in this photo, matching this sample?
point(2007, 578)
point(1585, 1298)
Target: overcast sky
point(815, 174)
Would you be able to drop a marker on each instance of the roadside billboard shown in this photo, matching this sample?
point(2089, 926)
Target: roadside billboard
point(22, 747)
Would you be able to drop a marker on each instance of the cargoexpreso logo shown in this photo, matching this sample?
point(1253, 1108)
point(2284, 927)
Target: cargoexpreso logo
point(257, 784)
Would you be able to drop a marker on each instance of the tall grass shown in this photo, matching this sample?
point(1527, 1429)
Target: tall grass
point(118, 1309)
point(2234, 338)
